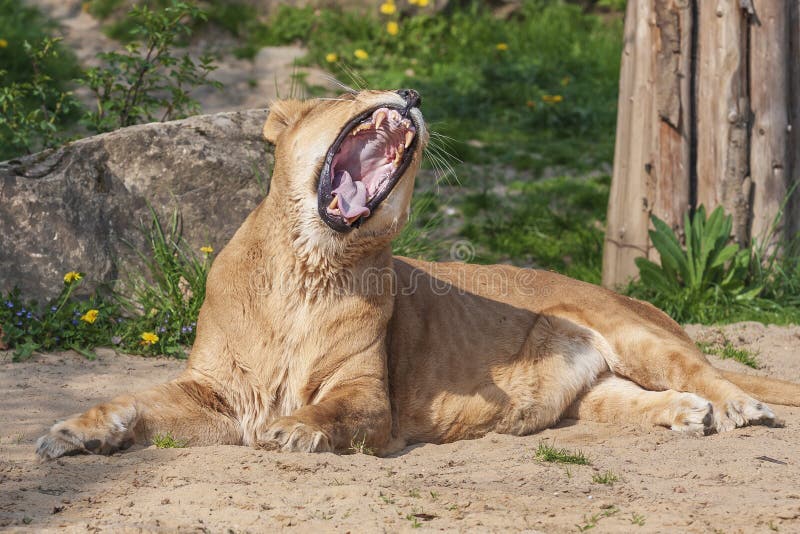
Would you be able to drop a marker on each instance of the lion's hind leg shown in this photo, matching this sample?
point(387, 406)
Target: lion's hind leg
point(614, 399)
point(185, 409)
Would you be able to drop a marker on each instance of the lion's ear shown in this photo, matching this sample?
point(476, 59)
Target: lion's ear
point(283, 113)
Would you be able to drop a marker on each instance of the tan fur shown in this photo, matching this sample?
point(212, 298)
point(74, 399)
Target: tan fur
point(312, 340)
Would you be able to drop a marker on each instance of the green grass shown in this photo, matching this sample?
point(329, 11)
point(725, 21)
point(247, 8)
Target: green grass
point(556, 224)
point(727, 351)
point(501, 101)
point(165, 441)
point(548, 453)
point(608, 478)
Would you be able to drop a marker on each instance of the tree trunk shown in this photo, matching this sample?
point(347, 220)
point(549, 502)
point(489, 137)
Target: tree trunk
point(708, 96)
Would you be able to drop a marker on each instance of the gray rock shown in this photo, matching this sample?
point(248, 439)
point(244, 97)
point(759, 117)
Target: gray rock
point(76, 207)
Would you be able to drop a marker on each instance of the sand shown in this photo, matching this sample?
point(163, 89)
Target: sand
point(747, 480)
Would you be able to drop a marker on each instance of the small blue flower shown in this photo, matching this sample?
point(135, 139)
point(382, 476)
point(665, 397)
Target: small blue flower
point(9, 304)
point(19, 323)
point(53, 308)
point(183, 330)
point(58, 339)
point(74, 322)
point(29, 315)
point(23, 310)
point(162, 330)
point(19, 314)
point(77, 312)
point(188, 328)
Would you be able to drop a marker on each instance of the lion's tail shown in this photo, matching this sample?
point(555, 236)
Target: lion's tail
point(771, 390)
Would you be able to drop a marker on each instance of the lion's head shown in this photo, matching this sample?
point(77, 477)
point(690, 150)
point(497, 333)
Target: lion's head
point(347, 165)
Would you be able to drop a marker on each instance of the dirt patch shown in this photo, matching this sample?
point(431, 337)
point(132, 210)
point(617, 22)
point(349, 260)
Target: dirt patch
point(742, 481)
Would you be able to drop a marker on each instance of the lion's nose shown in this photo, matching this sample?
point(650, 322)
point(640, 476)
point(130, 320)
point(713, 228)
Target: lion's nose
point(412, 98)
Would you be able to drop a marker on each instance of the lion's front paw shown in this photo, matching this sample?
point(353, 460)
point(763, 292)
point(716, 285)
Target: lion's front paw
point(289, 434)
point(743, 411)
point(692, 414)
point(87, 435)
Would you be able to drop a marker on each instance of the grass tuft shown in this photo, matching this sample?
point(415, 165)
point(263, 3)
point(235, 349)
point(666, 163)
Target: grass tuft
point(548, 453)
point(165, 441)
point(608, 478)
point(726, 351)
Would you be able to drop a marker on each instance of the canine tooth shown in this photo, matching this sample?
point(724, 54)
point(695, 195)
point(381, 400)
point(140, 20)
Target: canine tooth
point(380, 116)
point(394, 115)
point(409, 138)
point(406, 123)
point(360, 128)
point(334, 204)
point(398, 155)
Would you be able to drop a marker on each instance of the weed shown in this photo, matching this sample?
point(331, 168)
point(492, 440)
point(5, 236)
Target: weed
point(358, 445)
point(548, 453)
point(414, 493)
point(386, 498)
point(591, 522)
point(637, 519)
point(165, 441)
point(434, 495)
point(701, 279)
point(607, 478)
point(726, 351)
point(414, 520)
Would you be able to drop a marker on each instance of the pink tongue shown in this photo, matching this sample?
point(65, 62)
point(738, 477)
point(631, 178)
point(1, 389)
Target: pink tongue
point(352, 196)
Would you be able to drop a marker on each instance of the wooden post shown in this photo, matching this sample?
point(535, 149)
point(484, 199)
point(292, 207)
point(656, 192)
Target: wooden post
point(709, 108)
point(653, 149)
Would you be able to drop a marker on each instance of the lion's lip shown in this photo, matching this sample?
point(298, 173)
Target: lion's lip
point(364, 164)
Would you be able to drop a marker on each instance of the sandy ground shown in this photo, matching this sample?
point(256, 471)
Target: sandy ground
point(747, 480)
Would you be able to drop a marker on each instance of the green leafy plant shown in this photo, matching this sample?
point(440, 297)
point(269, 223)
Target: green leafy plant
point(608, 478)
point(63, 323)
point(148, 81)
point(159, 316)
point(32, 111)
point(167, 294)
point(707, 272)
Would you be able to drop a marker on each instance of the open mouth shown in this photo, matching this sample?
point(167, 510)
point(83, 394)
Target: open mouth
point(362, 166)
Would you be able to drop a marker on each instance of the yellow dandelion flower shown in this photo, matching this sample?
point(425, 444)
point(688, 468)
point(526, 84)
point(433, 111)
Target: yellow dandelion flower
point(206, 250)
point(72, 276)
point(565, 81)
point(552, 99)
point(361, 54)
point(388, 8)
point(149, 338)
point(392, 28)
point(90, 316)
point(331, 58)
point(3, 43)
point(501, 46)
point(422, 3)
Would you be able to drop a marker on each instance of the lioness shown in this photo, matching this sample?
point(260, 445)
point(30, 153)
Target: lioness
point(312, 335)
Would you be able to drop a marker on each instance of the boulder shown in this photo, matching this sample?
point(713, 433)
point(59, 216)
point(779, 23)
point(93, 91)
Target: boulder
point(80, 207)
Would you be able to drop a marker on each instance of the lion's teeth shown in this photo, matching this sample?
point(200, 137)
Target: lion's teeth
point(409, 138)
point(334, 204)
point(380, 116)
point(351, 220)
point(394, 115)
point(406, 123)
point(361, 128)
point(398, 155)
